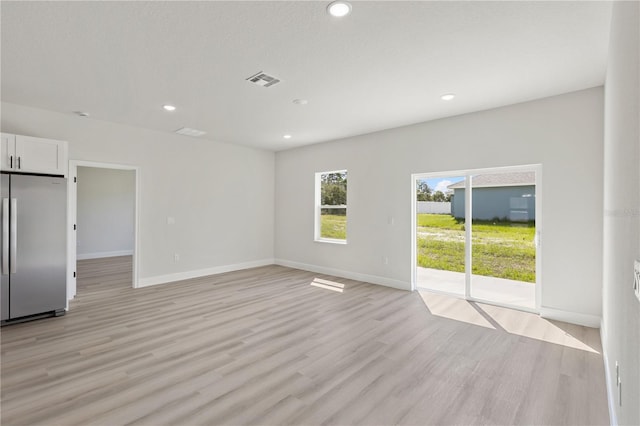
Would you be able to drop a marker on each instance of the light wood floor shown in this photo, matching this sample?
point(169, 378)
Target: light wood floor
point(263, 346)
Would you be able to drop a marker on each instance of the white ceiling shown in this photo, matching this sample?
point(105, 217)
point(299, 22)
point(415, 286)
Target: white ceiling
point(383, 66)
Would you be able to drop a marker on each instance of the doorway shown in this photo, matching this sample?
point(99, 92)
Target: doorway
point(476, 235)
point(107, 208)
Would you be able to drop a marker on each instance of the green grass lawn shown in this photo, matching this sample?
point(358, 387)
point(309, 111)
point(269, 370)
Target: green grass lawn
point(333, 226)
point(500, 249)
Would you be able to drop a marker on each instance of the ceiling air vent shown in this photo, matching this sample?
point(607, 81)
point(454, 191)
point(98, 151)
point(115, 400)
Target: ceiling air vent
point(189, 132)
point(262, 79)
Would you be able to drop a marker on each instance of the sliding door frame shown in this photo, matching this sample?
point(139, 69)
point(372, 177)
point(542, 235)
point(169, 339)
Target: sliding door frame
point(468, 174)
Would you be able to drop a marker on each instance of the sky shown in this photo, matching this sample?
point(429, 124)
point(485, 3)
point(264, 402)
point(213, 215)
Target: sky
point(441, 183)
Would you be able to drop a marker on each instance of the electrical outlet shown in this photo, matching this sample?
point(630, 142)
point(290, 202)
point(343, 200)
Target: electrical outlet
point(176, 257)
point(636, 278)
point(385, 260)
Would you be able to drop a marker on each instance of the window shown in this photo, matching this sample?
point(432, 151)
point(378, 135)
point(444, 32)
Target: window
point(331, 207)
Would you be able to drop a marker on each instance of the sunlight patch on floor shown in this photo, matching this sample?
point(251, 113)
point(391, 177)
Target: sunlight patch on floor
point(535, 327)
point(453, 308)
point(512, 321)
point(328, 285)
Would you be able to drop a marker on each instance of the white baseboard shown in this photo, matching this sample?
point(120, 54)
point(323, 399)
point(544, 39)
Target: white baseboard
point(587, 320)
point(101, 254)
point(611, 399)
point(373, 279)
point(179, 276)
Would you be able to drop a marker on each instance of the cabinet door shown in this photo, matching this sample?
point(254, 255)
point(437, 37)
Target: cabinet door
point(8, 152)
point(37, 155)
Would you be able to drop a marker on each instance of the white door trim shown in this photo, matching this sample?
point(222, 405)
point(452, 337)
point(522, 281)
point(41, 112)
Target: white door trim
point(72, 217)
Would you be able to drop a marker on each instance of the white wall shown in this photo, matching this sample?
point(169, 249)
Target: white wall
point(563, 133)
point(621, 310)
point(211, 189)
point(105, 213)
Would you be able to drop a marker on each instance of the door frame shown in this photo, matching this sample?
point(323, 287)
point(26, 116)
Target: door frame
point(467, 173)
point(72, 214)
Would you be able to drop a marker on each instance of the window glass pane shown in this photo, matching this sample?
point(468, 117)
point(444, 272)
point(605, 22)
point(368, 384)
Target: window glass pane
point(333, 205)
point(333, 223)
point(503, 238)
point(334, 189)
point(440, 234)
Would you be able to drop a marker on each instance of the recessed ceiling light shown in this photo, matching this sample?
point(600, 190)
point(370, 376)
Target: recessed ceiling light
point(447, 96)
point(169, 107)
point(339, 8)
point(300, 101)
point(287, 136)
point(81, 113)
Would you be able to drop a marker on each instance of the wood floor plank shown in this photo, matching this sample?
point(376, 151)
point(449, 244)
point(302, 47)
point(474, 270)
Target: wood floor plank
point(265, 347)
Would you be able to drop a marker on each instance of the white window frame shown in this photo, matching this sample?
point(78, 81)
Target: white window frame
point(318, 209)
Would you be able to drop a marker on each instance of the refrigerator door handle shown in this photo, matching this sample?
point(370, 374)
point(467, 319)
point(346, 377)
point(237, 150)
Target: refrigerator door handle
point(13, 235)
point(5, 236)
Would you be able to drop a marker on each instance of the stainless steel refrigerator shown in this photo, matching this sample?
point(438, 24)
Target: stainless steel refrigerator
point(33, 247)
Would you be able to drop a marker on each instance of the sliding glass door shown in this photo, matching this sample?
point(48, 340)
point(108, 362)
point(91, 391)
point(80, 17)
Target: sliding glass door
point(503, 233)
point(440, 235)
point(477, 237)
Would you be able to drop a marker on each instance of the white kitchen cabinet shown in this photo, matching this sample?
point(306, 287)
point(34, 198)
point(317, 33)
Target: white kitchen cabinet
point(7, 151)
point(27, 154)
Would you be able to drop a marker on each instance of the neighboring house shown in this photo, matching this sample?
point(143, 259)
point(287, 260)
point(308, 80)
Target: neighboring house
point(510, 196)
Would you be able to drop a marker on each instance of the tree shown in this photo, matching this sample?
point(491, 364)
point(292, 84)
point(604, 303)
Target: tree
point(333, 188)
point(423, 191)
point(337, 178)
point(439, 196)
